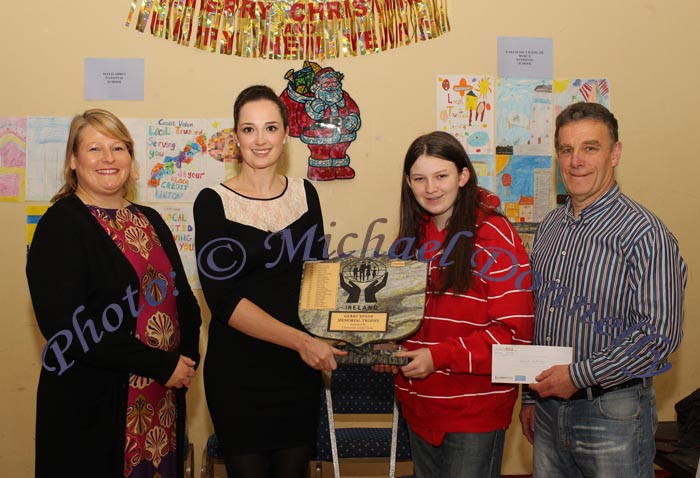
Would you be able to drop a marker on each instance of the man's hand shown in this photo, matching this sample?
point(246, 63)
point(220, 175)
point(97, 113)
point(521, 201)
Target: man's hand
point(527, 422)
point(554, 382)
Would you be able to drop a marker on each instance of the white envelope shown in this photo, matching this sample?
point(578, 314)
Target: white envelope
point(522, 363)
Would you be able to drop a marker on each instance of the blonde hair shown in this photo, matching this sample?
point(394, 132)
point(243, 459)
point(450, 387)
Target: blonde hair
point(108, 124)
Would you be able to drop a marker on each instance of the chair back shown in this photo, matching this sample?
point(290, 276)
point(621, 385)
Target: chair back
point(357, 389)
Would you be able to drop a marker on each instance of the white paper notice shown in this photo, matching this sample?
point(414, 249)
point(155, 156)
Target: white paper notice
point(524, 57)
point(114, 79)
point(522, 363)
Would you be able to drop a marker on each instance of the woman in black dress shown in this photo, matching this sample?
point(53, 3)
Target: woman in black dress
point(253, 233)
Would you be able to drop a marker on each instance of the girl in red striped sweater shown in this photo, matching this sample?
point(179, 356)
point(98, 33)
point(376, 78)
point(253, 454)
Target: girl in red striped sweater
point(477, 295)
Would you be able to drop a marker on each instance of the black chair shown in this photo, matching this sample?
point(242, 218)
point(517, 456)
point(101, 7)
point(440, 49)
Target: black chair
point(358, 390)
point(211, 456)
point(681, 462)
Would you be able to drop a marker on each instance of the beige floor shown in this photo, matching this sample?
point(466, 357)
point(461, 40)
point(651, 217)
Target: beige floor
point(356, 469)
point(362, 468)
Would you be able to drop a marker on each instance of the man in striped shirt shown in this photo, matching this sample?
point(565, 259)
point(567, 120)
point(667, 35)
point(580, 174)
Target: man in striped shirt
point(609, 282)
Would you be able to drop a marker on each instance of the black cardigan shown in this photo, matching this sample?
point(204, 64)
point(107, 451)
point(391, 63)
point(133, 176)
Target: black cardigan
point(79, 282)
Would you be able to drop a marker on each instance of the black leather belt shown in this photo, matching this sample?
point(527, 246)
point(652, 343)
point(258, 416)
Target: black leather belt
point(597, 390)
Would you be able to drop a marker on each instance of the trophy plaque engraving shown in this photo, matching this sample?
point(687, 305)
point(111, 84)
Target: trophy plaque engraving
point(365, 304)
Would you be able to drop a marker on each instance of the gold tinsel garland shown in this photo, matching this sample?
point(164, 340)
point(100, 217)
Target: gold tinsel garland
point(293, 29)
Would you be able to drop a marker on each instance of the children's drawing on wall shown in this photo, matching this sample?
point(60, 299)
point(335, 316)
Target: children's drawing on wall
point(485, 167)
point(136, 127)
point(324, 117)
point(13, 148)
point(524, 177)
point(567, 92)
point(526, 231)
point(524, 116)
point(179, 159)
point(34, 213)
point(46, 154)
point(222, 147)
point(181, 222)
point(524, 185)
point(465, 110)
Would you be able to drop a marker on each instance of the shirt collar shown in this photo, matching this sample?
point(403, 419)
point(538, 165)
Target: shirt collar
point(598, 207)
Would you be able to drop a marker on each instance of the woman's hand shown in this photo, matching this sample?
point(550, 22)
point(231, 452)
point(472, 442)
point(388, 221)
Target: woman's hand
point(183, 373)
point(318, 354)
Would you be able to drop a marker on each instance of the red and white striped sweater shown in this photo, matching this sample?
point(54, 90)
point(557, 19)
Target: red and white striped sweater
point(459, 330)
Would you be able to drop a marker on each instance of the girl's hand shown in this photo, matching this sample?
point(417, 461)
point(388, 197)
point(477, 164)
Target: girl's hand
point(421, 364)
point(385, 368)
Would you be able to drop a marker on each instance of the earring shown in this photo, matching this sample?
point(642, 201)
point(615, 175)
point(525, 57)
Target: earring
point(284, 141)
point(238, 145)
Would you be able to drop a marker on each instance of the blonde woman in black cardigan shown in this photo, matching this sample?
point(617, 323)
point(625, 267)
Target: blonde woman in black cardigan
point(111, 298)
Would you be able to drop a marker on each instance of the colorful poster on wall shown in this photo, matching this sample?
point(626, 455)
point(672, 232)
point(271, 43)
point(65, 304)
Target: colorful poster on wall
point(184, 156)
point(524, 116)
point(524, 175)
point(526, 231)
point(180, 219)
point(524, 185)
point(465, 110)
point(485, 167)
point(137, 127)
point(34, 213)
point(13, 157)
point(567, 92)
point(46, 154)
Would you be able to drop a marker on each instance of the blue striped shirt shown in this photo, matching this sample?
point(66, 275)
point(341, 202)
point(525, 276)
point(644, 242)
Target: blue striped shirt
point(610, 284)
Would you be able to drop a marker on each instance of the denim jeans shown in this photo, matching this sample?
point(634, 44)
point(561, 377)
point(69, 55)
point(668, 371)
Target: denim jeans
point(461, 455)
point(608, 437)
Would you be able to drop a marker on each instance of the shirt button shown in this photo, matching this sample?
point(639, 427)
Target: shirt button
point(548, 339)
point(563, 253)
point(557, 280)
point(551, 309)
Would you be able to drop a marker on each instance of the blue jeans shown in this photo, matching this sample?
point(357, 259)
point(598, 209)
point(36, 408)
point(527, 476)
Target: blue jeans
point(610, 436)
point(461, 455)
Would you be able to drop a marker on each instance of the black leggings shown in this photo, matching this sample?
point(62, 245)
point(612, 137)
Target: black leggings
point(282, 463)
